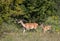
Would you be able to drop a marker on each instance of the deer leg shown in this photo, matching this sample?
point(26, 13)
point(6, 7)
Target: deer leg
point(44, 31)
point(24, 30)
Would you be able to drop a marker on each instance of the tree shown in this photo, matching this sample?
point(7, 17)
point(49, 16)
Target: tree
point(40, 9)
point(32, 10)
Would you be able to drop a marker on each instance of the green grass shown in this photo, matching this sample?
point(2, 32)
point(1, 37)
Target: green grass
point(14, 33)
point(30, 36)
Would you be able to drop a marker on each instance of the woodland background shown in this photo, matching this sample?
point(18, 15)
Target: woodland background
point(45, 11)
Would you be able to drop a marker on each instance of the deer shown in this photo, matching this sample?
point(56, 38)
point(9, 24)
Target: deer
point(28, 26)
point(45, 28)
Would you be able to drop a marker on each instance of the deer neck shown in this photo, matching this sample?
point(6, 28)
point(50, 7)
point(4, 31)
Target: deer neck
point(22, 24)
point(42, 26)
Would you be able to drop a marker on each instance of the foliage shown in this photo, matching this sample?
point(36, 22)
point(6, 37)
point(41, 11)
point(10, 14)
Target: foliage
point(55, 22)
point(30, 10)
point(8, 27)
point(39, 10)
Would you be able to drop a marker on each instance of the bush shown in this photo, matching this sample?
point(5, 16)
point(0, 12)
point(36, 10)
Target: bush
point(7, 28)
point(54, 21)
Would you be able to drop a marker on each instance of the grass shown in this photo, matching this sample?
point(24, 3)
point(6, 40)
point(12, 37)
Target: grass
point(30, 36)
point(17, 35)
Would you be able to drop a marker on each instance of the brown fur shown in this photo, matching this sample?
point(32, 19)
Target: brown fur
point(28, 26)
point(46, 27)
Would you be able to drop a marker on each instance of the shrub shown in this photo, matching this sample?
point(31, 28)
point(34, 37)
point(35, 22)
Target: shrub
point(54, 21)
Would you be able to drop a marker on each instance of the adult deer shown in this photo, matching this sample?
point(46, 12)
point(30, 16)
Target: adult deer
point(28, 26)
point(45, 28)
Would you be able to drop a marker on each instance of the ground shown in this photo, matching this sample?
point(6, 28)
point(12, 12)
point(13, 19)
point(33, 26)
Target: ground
point(30, 36)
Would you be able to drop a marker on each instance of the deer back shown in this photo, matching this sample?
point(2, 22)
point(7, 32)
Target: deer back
point(31, 25)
